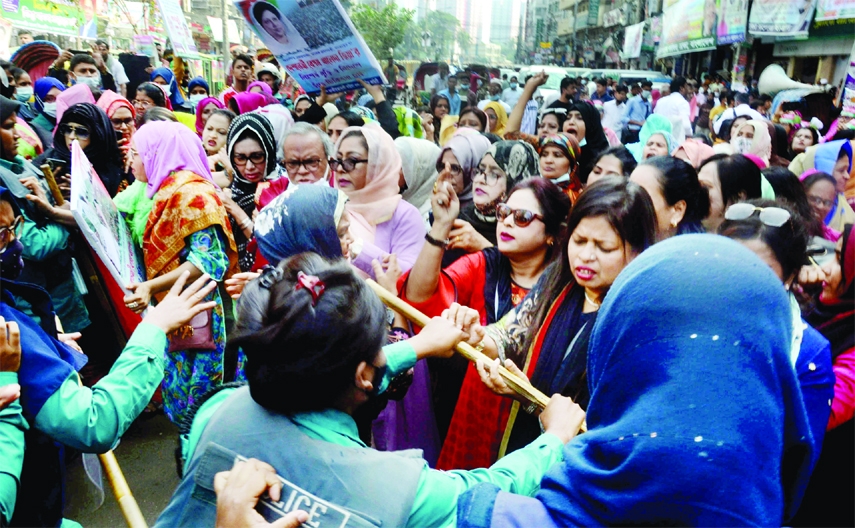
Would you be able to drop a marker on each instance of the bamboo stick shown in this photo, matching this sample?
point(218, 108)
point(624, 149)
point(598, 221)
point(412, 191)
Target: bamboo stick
point(54, 188)
point(129, 506)
point(519, 385)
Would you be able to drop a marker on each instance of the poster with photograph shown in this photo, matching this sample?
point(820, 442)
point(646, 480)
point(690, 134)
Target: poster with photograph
point(315, 41)
point(101, 223)
point(688, 26)
point(732, 21)
point(781, 17)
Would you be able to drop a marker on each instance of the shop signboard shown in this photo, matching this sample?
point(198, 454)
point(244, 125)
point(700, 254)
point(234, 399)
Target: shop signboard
point(687, 26)
point(732, 21)
point(780, 17)
point(176, 26)
point(315, 42)
point(593, 12)
point(633, 37)
point(43, 16)
point(834, 10)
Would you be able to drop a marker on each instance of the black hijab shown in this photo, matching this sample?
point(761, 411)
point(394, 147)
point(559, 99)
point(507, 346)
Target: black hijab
point(103, 150)
point(595, 137)
point(257, 127)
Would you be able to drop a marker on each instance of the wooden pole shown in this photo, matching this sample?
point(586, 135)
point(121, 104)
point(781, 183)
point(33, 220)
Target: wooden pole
point(129, 506)
point(519, 385)
point(54, 188)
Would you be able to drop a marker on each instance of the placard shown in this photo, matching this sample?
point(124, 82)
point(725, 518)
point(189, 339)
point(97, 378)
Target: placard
point(315, 41)
point(176, 27)
point(101, 223)
point(48, 17)
point(781, 17)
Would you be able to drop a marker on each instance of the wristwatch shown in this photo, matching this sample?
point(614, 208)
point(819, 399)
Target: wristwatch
point(441, 244)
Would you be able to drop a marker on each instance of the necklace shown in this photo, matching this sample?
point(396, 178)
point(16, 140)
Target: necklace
point(592, 301)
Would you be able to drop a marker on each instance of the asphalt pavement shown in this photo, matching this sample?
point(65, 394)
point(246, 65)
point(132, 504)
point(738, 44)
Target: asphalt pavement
point(147, 458)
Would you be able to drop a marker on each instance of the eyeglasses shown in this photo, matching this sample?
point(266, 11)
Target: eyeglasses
point(817, 201)
point(7, 233)
point(346, 164)
point(522, 217)
point(257, 158)
point(310, 164)
point(490, 178)
point(128, 121)
point(771, 216)
point(142, 104)
point(453, 168)
point(78, 131)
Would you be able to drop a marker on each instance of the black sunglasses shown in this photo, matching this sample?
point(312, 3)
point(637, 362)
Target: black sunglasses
point(522, 217)
point(78, 131)
point(346, 164)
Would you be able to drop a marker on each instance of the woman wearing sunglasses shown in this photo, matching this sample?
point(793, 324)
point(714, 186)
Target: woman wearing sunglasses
point(780, 237)
point(251, 149)
point(93, 130)
point(545, 337)
point(492, 281)
point(367, 168)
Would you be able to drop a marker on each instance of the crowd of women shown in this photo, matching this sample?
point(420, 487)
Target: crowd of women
point(695, 308)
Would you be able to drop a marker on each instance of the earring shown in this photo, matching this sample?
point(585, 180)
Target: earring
point(550, 242)
point(674, 223)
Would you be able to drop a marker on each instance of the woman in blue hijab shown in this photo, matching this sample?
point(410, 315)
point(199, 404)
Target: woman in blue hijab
point(165, 77)
point(695, 418)
point(46, 89)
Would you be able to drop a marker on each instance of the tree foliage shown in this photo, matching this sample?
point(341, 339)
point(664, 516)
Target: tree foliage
point(382, 29)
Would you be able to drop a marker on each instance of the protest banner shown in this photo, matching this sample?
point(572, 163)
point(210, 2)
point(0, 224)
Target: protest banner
point(101, 223)
point(781, 17)
point(834, 10)
point(176, 27)
point(315, 42)
point(47, 17)
point(732, 21)
point(633, 36)
point(687, 26)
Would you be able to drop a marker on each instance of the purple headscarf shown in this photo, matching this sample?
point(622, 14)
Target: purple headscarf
point(200, 123)
point(265, 88)
point(468, 146)
point(166, 147)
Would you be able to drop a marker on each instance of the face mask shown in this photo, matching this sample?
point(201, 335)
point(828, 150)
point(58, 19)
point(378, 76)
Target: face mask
point(742, 145)
point(11, 263)
point(514, 86)
point(91, 82)
point(583, 142)
point(49, 109)
point(167, 90)
point(23, 94)
point(645, 94)
point(495, 97)
point(195, 99)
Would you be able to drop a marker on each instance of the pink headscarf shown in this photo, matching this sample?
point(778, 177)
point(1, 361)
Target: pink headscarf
point(79, 93)
point(110, 101)
point(246, 102)
point(696, 151)
point(378, 200)
point(166, 147)
point(265, 88)
point(200, 108)
point(756, 160)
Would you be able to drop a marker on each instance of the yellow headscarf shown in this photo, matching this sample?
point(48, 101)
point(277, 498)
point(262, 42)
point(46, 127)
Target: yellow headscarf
point(501, 115)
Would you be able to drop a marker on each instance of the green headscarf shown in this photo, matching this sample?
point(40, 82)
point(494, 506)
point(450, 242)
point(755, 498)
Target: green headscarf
point(135, 207)
point(655, 123)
